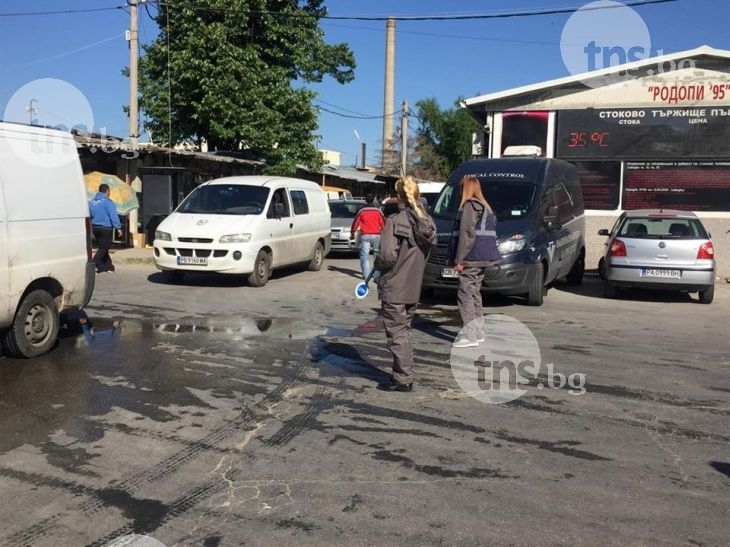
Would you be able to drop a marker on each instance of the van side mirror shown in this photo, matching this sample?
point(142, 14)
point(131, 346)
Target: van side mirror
point(551, 218)
point(604, 232)
point(278, 210)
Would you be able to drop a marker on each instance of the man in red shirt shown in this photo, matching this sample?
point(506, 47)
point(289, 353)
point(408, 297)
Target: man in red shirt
point(370, 221)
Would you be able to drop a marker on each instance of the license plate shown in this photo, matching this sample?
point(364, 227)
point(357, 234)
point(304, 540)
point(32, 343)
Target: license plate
point(449, 272)
point(656, 272)
point(192, 261)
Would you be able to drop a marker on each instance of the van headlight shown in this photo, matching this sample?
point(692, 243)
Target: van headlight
point(512, 245)
point(235, 238)
point(162, 236)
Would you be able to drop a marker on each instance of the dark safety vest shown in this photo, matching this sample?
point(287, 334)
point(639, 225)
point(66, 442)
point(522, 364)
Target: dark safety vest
point(485, 245)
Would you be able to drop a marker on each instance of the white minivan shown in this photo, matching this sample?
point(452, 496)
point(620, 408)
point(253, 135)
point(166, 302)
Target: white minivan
point(45, 236)
point(245, 225)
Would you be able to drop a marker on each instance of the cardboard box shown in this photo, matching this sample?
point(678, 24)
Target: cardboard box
point(138, 241)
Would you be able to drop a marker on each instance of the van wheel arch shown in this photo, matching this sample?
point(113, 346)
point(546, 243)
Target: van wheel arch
point(35, 327)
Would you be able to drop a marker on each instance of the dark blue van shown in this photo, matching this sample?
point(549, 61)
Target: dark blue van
point(540, 225)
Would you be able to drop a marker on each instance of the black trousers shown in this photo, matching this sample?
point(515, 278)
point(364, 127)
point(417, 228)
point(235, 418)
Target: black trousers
point(103, 237)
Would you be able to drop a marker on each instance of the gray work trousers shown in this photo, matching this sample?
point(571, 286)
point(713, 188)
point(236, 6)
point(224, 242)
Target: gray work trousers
point(397, 321)
point(469, 299)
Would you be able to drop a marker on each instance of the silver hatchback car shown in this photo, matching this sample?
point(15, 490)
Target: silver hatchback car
point(343, 214)
point(659, 249)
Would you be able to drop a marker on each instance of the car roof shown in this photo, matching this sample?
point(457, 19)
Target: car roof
point(265, 181)
point(668, 213)
point(358, 201)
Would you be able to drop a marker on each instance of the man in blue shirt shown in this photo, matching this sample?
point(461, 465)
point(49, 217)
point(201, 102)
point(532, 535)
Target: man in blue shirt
point(104, 220)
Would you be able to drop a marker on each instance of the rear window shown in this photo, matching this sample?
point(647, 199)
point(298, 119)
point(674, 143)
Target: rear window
point(662, 228)
point(345, 209)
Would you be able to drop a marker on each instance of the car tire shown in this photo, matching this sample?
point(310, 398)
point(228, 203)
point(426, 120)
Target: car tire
point(575, 275)
point(172, 276)
point(602, 268)
point(315, 264)
point(609, 291)
point(707, 295)
point(537, 288)
point(35, 328)
point(261, 270)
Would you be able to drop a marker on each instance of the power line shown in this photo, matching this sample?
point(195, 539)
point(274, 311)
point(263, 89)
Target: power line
point(60, 12)
point(448, 17)
point(355, 117)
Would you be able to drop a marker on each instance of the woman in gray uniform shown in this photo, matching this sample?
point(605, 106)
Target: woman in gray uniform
point(405, 244)
point(476, 249)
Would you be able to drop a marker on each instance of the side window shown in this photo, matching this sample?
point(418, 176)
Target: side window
point(546, 201)
point(564, 201)
point(278, 197)
point(299, 202)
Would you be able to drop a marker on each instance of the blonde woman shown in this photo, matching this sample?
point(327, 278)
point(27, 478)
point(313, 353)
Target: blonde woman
point(475, 251)
point(405, 244)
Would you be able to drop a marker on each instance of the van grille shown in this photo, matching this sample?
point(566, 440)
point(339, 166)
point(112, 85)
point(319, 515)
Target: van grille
point(195, 239)
point(438, 255)
point(202, 253)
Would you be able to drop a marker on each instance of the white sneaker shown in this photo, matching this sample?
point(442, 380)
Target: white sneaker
point(465, 343)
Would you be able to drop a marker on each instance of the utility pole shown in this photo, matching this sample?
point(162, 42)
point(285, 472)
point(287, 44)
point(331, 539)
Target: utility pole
point(133, 58)
point(133, 102)
point(388, 95)
point(404, 138)
point(32, 110)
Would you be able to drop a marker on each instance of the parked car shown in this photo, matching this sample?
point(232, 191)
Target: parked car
point(246, 225)
point(658, 249)
point(343, 213)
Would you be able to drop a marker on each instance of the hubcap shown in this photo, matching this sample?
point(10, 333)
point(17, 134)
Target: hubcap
point(38, 324)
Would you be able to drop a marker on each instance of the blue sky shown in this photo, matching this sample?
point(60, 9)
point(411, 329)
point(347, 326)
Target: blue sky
point(68, 61)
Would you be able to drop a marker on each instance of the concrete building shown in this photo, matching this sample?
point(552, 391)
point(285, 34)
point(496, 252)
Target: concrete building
point(651, 133)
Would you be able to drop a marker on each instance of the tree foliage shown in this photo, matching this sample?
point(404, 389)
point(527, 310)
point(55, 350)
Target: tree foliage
point(233, 73)
point(443, 141)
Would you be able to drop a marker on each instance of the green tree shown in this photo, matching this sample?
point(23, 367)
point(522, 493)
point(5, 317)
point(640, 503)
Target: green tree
point(443, 139)
point(233, 73)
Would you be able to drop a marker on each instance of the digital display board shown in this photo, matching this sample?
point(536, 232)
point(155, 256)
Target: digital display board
point(643, 133)
point(684, 185)
point(601, 184)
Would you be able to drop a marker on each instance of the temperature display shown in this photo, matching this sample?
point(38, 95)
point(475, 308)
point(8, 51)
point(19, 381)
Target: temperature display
point(579, 139)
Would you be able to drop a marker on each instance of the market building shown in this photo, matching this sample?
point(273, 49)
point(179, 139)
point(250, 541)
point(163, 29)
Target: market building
point(654, 133)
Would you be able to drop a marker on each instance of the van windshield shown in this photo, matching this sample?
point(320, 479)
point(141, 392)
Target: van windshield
point(225, 199)
point(509, 201)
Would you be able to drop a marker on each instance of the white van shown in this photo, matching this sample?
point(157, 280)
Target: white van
point(430, 191)
point(245, 225)
point(45, 236)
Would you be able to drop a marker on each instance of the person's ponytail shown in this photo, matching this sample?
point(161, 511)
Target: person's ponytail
point(407, 189)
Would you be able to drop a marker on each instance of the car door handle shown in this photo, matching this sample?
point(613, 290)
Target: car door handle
point(662, 256)
point(291, 225)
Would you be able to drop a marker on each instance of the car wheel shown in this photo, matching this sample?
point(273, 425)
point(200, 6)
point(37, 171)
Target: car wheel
point(602, 268)
point(172, 276)
point(261, 270)
point(707, 295)
point(315, 264)
point(537, 288)
point(35, 328)
point(575, 275)
point(609, 291)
